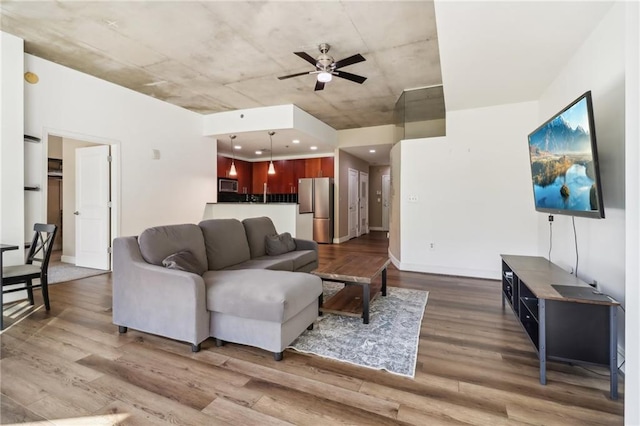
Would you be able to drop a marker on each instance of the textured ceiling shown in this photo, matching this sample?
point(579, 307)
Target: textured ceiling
point(219, 56)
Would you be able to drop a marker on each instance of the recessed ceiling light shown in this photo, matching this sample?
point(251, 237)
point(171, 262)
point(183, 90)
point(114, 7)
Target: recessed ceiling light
point(313, 148)
point(372, 151)
point(237, 147)
point(295, 141)
point(259, 152)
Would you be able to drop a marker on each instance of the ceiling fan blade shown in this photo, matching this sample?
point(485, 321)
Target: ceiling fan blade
point(348, 76)
point(284, 77)
point(350, 60)
point(306, 57)
point(319, 85)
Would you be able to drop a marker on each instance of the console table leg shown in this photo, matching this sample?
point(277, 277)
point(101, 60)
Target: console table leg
point(365, 303)
point(384, 282)
point(542, 340)
point(613, 351)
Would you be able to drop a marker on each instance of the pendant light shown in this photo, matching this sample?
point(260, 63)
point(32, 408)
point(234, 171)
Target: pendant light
point(272, 170)
point(232, 171)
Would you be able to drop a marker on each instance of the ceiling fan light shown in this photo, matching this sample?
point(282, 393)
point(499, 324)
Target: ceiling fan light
point(233, 171)
point(272, 170)
point(324, 77)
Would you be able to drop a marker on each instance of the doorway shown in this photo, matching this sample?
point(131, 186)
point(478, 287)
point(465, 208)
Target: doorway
point(363, 224)
point(353, 203)
point(54, 190)
point(84, 183)
point(386, 185)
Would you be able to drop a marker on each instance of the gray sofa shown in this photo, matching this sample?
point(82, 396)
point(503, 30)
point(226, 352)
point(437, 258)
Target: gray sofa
point(230, 289)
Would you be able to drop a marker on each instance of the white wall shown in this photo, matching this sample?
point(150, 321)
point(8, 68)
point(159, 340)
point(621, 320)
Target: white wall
point(248, 120)
point(11, 147)
point(55, 147)
point(425, 129)
point(632, 287)
point(473, 193)
point(598, 65)
point(172, 189)
point(268, 118)
point(395, 210)
point(363, 136)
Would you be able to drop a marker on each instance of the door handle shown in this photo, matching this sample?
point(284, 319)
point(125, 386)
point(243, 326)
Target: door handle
point(77, 213)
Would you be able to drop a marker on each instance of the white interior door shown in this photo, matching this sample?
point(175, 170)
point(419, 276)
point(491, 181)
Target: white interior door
point(386, 185)
point(92, 207)
point(363, 227)
point(353, 203)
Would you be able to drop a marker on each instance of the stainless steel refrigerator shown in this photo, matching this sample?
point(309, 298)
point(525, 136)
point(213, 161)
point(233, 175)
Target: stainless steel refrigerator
point(315, 195)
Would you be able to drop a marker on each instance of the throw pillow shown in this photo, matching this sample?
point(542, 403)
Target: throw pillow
point(279, 244)
point(183, 261)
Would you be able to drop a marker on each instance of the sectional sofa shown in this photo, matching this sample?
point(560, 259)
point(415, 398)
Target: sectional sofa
point(235, 281)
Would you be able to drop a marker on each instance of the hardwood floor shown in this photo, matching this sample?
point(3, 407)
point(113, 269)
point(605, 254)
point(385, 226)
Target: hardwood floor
point(474, 366)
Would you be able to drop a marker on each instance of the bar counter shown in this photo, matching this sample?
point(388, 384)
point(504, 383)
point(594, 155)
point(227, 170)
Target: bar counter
point(285, 216)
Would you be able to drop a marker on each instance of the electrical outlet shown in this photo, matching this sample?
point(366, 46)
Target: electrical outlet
point(432, 245)
point(413, 198)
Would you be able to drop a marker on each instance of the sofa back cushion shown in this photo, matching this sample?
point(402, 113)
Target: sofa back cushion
point(161, 241)
point(225, 241)
point(257, 228)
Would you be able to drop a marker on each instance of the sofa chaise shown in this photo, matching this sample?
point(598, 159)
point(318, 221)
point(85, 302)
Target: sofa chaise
point(235, 281)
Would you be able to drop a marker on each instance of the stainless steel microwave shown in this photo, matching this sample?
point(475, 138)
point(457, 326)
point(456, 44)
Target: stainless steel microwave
point(227, 185)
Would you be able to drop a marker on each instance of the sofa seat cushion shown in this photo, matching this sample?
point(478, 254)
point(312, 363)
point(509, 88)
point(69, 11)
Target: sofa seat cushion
point(299, 258)
point(225, 241)
point(161, 241)
point(261, 294)
point(266, 262)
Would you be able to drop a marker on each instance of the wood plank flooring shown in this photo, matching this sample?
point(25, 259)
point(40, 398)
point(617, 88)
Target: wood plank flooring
point(475, 366)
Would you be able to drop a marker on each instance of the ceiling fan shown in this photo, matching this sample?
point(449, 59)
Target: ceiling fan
point(326, 67)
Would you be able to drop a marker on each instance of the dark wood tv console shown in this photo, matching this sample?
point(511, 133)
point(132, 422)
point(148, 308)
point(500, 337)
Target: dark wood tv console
point(565, 318)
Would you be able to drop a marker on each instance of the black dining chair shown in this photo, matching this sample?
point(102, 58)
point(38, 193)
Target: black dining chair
point(39, 251)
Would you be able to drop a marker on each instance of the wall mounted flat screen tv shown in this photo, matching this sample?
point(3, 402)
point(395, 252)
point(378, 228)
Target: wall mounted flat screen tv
point(564, 163)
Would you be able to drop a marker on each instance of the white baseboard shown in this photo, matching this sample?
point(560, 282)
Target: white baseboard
point(395, 261)
point(341, 240)
point(458, 272)
point(68, 259)
point(376, 228)
point(440, 270)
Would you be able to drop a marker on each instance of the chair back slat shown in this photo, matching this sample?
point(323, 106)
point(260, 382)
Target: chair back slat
point(42, 244)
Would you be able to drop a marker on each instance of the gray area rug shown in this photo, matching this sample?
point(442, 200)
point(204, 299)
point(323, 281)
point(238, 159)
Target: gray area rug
point(60, 272)
point(389, 342)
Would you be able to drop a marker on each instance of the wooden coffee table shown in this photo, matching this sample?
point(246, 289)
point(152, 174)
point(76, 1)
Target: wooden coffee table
point(354, 270)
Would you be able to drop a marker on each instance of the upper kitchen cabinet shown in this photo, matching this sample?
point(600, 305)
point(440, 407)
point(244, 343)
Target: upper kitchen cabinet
point(259, 176)
point(312, 167)
point(327, 167)
point(318, 167)
point(245, 176)
point(284, 178)
point(224, 165)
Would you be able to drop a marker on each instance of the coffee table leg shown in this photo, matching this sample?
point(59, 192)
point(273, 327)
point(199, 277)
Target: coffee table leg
point(384, 282)
point(365, 303)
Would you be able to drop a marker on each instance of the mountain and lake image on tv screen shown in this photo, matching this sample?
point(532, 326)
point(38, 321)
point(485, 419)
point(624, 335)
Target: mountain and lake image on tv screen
point(564, 162)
